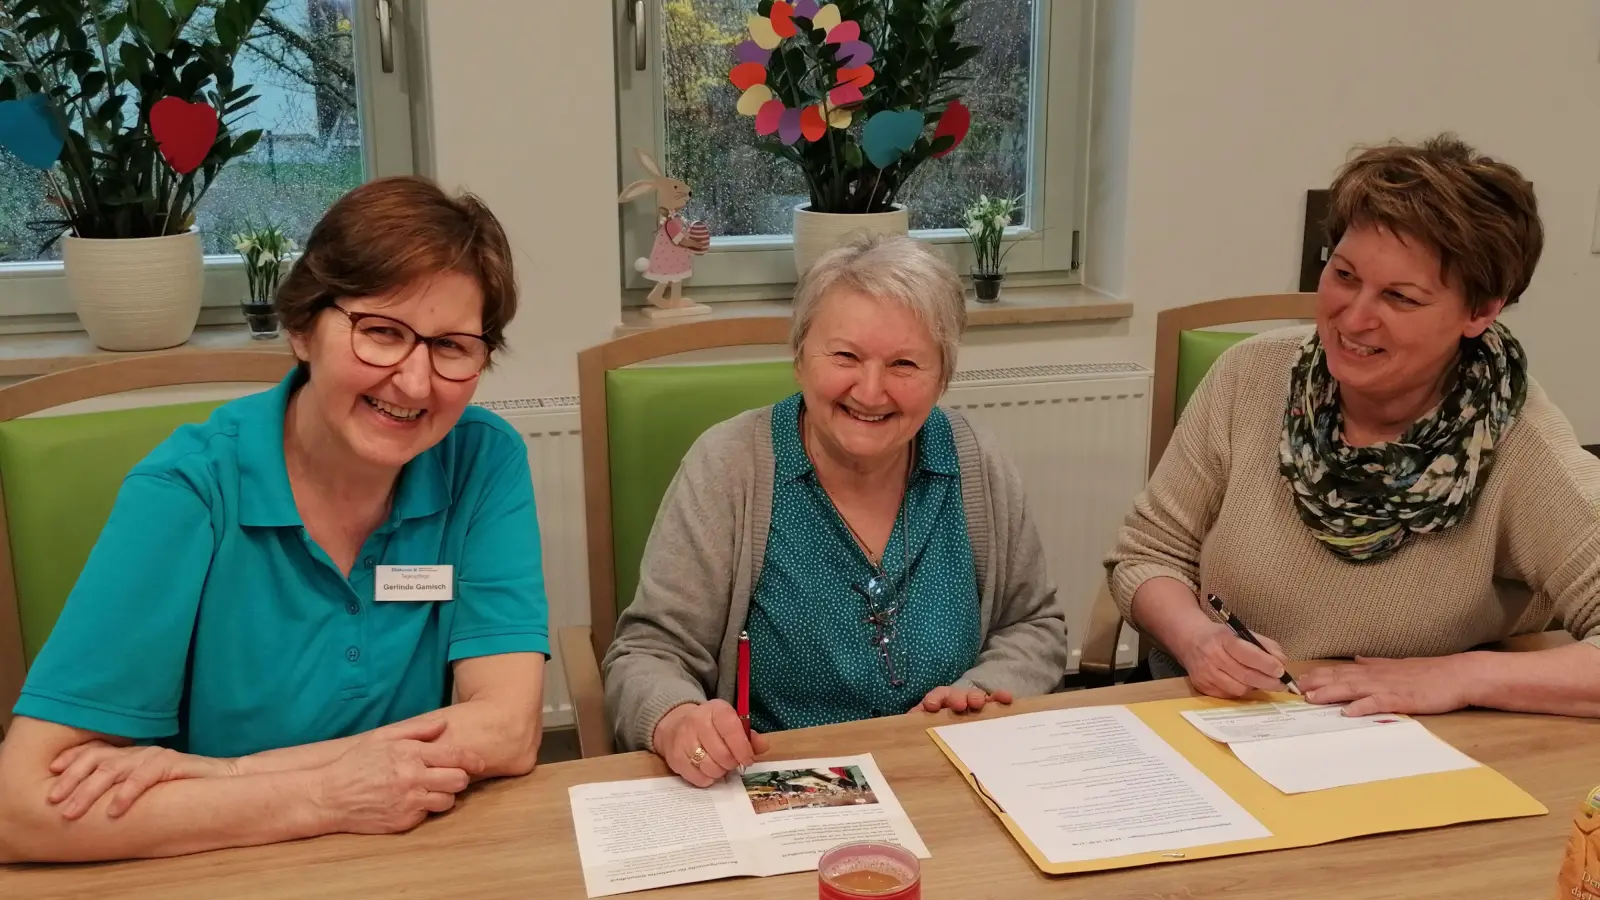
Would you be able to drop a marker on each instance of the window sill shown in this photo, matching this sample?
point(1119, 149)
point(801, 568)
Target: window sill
point(27, 355)
point(1016, 306)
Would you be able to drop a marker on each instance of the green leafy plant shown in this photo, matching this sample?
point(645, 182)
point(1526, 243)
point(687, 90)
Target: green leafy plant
point(986, 223)
point(103, 66)
point(916, 59)
point(264, 251)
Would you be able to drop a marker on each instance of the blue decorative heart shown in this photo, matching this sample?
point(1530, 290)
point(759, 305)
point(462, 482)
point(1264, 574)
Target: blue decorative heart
point(888, 135)
point(28, 128)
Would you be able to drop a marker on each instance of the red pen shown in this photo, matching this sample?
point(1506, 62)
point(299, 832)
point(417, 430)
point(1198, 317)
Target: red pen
point(743, 698)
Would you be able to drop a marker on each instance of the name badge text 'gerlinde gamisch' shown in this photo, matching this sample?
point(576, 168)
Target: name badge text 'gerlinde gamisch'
point(414, 583)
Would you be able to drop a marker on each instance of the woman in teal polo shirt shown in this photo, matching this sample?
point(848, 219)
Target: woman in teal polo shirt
point(877, 550)
point(265, 641)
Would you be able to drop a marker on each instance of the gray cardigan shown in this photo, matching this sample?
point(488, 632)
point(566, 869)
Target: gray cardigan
point(678, 642)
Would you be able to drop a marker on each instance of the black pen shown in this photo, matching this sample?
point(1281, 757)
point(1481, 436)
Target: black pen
point(1244, 634)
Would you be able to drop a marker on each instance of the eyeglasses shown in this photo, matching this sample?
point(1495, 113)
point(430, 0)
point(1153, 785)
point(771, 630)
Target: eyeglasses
point(881, 612)
point(384, 342)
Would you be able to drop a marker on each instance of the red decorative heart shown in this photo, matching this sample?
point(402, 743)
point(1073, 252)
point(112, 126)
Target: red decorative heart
point(845, 32)
point(184, 131)
point(860, 76)
point(956, 121)
point(812, 125)
point(746, 75)
point(783, 19)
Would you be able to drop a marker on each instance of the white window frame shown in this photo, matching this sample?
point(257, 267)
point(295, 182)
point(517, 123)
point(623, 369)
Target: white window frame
point(750, 268)
point(33, 295)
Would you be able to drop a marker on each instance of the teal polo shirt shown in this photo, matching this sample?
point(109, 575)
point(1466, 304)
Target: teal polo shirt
point(207, 620)
point(813, 661)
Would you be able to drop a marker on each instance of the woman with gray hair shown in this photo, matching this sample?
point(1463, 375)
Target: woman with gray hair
point(877, 550)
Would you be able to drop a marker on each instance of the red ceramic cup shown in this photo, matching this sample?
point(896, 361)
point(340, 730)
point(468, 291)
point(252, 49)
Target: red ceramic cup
point(869, 871)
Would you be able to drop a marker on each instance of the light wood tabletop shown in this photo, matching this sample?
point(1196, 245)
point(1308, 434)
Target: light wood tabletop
point(514, 838)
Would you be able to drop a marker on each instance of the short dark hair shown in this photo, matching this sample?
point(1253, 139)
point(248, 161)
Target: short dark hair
point(387, 234)
point(1477, 213)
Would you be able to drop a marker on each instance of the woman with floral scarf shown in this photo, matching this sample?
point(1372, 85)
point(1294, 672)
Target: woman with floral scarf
point(1389, 487)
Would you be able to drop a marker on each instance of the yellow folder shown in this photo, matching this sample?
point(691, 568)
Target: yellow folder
point(1295, 820)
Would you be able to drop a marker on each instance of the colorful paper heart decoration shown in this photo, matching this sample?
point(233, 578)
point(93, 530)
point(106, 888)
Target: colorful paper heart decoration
point(844, 31)
point(30, 130)
point(789, 126)
point(751, 52)
point(860, 77)
point(888, 135)
point(754, 97)
point(783, 20)
point(844, 95)
point(770, 114)
point(746, 75)
point(956, 122)
point(184, 131)
point(762, 32)
point(752, 57)
point(827, 18)
point(853, 54)
point(812, 125)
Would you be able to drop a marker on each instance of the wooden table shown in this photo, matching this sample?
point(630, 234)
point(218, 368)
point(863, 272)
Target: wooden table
point(513, 839)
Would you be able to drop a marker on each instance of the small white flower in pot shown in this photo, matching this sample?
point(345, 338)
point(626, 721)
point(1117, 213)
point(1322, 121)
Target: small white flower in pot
point(264, 251)
point(987, 221)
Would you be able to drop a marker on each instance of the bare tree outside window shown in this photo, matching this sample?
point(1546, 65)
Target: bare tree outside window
point(740, 190)
point(301, 60)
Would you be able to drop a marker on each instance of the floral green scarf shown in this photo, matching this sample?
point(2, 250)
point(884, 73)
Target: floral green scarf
point(1363, 502)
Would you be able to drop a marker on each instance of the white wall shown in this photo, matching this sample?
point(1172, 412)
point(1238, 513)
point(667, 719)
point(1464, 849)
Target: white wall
point(524, 115)
point(1212, 119)
point(1236, 107)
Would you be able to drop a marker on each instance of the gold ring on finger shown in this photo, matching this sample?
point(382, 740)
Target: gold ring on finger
point(698, 756)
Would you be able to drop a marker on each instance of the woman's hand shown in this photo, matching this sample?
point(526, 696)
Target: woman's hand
point(83, 774)
point(704, 741)
point(961, 700)
point(1221, 664)
point(1420, 686)
point(392, 778)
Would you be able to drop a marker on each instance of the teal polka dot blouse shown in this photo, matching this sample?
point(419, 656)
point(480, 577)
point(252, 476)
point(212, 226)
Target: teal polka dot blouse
point(814, 660)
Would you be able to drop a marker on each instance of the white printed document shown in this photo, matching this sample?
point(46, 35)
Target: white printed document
point(779, 817)
point(1299, 747)
point(1096, 783)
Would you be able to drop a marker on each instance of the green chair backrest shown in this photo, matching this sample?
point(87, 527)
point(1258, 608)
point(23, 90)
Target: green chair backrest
point(653, 416)
point(1197, 351)
point(61, 475)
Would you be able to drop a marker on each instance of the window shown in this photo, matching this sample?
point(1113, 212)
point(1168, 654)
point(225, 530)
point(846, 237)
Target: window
point(1027, 139)
point(331, 117)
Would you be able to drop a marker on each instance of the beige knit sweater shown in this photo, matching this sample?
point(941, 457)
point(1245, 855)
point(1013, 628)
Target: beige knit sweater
point(1217, 512)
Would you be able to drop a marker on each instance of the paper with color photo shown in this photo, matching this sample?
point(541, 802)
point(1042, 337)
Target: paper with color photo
point(777, 818)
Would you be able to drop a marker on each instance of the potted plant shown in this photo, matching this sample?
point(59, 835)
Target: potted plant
point(987, 220)
point(858, 94)
point(264, 251)
point(129, 109)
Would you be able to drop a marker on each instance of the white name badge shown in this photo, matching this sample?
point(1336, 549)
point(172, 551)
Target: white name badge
point(415, 583)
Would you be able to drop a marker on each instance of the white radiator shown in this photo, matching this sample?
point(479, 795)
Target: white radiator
point(1077, 434)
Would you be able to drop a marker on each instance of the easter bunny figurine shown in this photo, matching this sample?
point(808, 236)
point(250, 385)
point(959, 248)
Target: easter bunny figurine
point(677, 242)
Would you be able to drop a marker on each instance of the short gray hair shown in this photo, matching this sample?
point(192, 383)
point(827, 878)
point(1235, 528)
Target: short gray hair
point(894, 268)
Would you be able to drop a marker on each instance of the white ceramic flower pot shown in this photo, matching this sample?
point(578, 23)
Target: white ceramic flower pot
point(817, 233)
point(136, 293)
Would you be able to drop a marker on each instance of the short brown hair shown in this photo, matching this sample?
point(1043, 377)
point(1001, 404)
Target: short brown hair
point(387, 234)
point(1477, 213)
